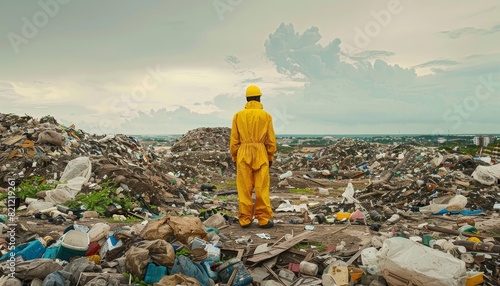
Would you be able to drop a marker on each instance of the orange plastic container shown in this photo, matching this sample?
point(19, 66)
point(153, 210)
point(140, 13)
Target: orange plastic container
point(474, 279)
point(355, 273)
point(342, 215)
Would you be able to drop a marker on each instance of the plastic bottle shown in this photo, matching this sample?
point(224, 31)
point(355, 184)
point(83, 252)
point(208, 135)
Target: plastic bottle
point(208, 265)
point(286, 175)
point(296, 221)
point(213, 252)
point(376, 216)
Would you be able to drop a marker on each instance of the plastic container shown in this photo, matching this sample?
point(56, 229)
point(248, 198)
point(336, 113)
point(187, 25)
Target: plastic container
point(209, 266)
point(28, 251)
point(113, 243)
point(286, 175)
point(213, 252)
point(98, 231)
point(154, 273)
point(357, 215)
point(93, 248)
point(474, 278)
point(215, 221)
point(74, 243)
point(308, 268)
point(82, 228)
point(94, 258)
point(355, 273)
point(197, 243)
point(51, 252)
point(296, 221)
point(242, 277)
point(376, 216)
point(342, 215)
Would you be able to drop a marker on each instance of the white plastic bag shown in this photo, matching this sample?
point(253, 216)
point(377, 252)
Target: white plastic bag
point(487, 175)
point(76, 173)
point(349, 193)
point(405, 262)
point(456, 203)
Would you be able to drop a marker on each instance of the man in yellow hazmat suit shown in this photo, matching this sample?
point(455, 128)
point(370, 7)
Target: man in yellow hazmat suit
point(252, 146)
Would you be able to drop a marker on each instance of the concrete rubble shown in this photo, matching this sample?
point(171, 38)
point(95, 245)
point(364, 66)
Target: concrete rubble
point(352, 213)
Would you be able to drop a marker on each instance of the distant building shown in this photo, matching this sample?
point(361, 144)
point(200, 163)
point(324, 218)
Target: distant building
point(441, 140)
point(483, 140)
point(493, 152)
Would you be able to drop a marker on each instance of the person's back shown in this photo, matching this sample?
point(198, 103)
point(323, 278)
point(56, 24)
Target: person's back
point(252, 147)
point(256, 121)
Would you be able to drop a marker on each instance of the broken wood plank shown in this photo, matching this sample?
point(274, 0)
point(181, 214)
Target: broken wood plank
point(355, 256)
point(276, 276)
point(282, 247)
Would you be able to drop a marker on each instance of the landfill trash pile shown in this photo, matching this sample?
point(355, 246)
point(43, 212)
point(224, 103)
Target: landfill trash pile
point(201, 156)
point(204, 139)
point(342, 155)
point(43, 148)
point(104, 210)
point(402, 174)
point(199, 166)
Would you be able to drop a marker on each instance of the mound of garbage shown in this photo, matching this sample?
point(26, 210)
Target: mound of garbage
point(204, 139)
point(43, 148)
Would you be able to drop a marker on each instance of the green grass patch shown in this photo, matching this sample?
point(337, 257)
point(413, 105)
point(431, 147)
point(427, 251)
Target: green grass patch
point(100, 200)
point(302, 191)
point(315, 245)
point(228, 213)
point(227, 198)
point(30, 187)
point(231, 183)
point(227, 185)
point(128, 220)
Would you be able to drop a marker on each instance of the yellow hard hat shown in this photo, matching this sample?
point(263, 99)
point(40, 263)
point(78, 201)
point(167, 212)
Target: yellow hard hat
point(253, 90)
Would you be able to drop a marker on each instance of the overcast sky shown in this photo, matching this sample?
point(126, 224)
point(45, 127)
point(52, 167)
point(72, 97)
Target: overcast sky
point(324, 67)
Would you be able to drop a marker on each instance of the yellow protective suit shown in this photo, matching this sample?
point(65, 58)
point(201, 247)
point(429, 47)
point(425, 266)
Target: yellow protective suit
point(252, 146)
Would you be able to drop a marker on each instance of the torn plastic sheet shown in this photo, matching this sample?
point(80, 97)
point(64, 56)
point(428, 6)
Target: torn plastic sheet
point(286, 206)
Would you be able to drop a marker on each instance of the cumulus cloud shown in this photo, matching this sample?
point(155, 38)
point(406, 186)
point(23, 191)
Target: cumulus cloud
point(301, 54)
point(365, 92)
